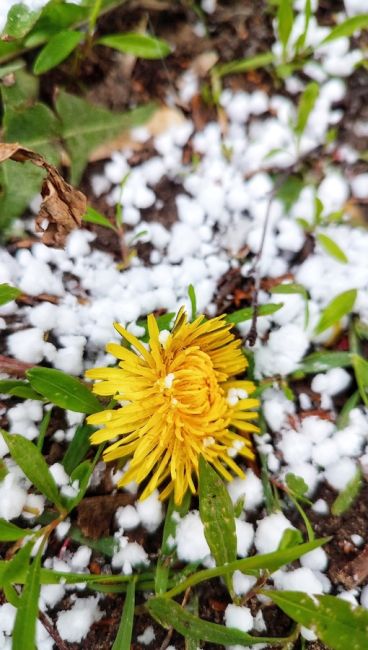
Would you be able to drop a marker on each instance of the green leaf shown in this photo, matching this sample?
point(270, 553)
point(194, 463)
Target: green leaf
point(78, 447)
point(347, 497)
point(9, 49)
point(292, 288)
point(8, 293)
point(323, 361)
point(20, 20)
point(85, 127)
point(105, 545)
point(10, 532)
point(24, 632)
point(15, 570)
point(124, 635)
point(290, 538)
point(56, 50)
point(347, 28)
point(33, 464)
point(63, 390)
point(246, 313)
point(82, 474)
point(306, 105)
point(55, 17)
point(335, 621)
point(193, 301)
point(217, 514)
point(140, 45)
point(170, 614)
point(344, 415)
point(296, 484)
point(169, 532)
point(339, 306)
point(43, 428)
point(285, 19)
point(92, 216)
point(360, 366)
point(252, 565)
point(18, 388)
point(164, 322)
point(19, 184)
point(243, 65)
point(289, 191)
point(332, 248)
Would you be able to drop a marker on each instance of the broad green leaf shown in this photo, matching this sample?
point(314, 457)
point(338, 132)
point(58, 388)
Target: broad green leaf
point(78, 447)
point(339, 306)
point(243, 65)
point(296, 484)
point(289, 191)
point(360, 366)
point(33, 464)
point(22, 93)
point(246, 313)
point(140, 45)
point(20, 20)
point(323, 361)
point(55, 17)
point(105, 545)
point(57, 50)
point(285, 19)
point(85, 127)
point(8, 293)
point(170, 614)
point(306, 105)
point(252, 565)
point(92, 216)
point(347, 28)
point(10, 532)
point(8, 50)
point(124, 636)
point(15, 570)
point(37, 128)
point(294, 288)
point(10, 68)
point(332, 248)
point(24, 632)
point(335, 621)
point(347, 497)
point(290, 538)
point(63, 390)
point(217, 514)
point(171, 522)
point(19, 184)
point(18, 388)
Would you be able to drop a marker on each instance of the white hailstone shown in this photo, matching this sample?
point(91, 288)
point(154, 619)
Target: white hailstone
point(150, 511)
point(191, 544)
point(270, 531)
point(242, 583)
point(238, 617)
point(127, 517)
point(73, 625)
point(295, 447)
point(339, 474)
point(250, 488)
point(244, 537)
point(316, 560)
point(298, 580)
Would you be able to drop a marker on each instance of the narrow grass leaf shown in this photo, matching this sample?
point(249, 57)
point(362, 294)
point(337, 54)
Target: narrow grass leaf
point(24, 632)
point(323, 361)
point(347, 497)
point(124, 635)
point(169, 532)
point(339, 306)
point(169, 613)
point(14, 571)
point(33, 464)
point(43, 428)
point(243, 65)
point(18, 388)
point(63, 390)
point(285, 19)
point(335, 621)
point(246, 313)
point(217, 514)
point(10, 532)
point(78, 447)
point(347, 28)
point(360, 366)
point(193, 301)
point(140, 45)
point(92, 216)
point(58, 48)
point(332, 248)
point(306, 105)
point(344, 415)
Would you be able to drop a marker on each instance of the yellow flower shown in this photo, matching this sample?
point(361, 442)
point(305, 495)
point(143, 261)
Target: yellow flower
point(179, 400)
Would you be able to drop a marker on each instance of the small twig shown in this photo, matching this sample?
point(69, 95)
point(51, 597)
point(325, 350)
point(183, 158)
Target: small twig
point(52, 631)
point(261, 581)
point(13, 367)
point(169, 634)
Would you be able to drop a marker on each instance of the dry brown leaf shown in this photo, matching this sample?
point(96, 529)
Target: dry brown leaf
point(95, 514)
point(62, 206)
point(163, 119)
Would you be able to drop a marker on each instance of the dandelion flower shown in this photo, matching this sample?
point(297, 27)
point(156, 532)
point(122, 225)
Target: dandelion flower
point(179, 399)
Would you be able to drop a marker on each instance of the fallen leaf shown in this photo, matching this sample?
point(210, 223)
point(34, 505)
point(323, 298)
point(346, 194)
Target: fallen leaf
point(62, 206)
point(95, 514)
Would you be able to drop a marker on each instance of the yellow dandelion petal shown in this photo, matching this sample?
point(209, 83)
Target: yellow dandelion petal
point(179, 399)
